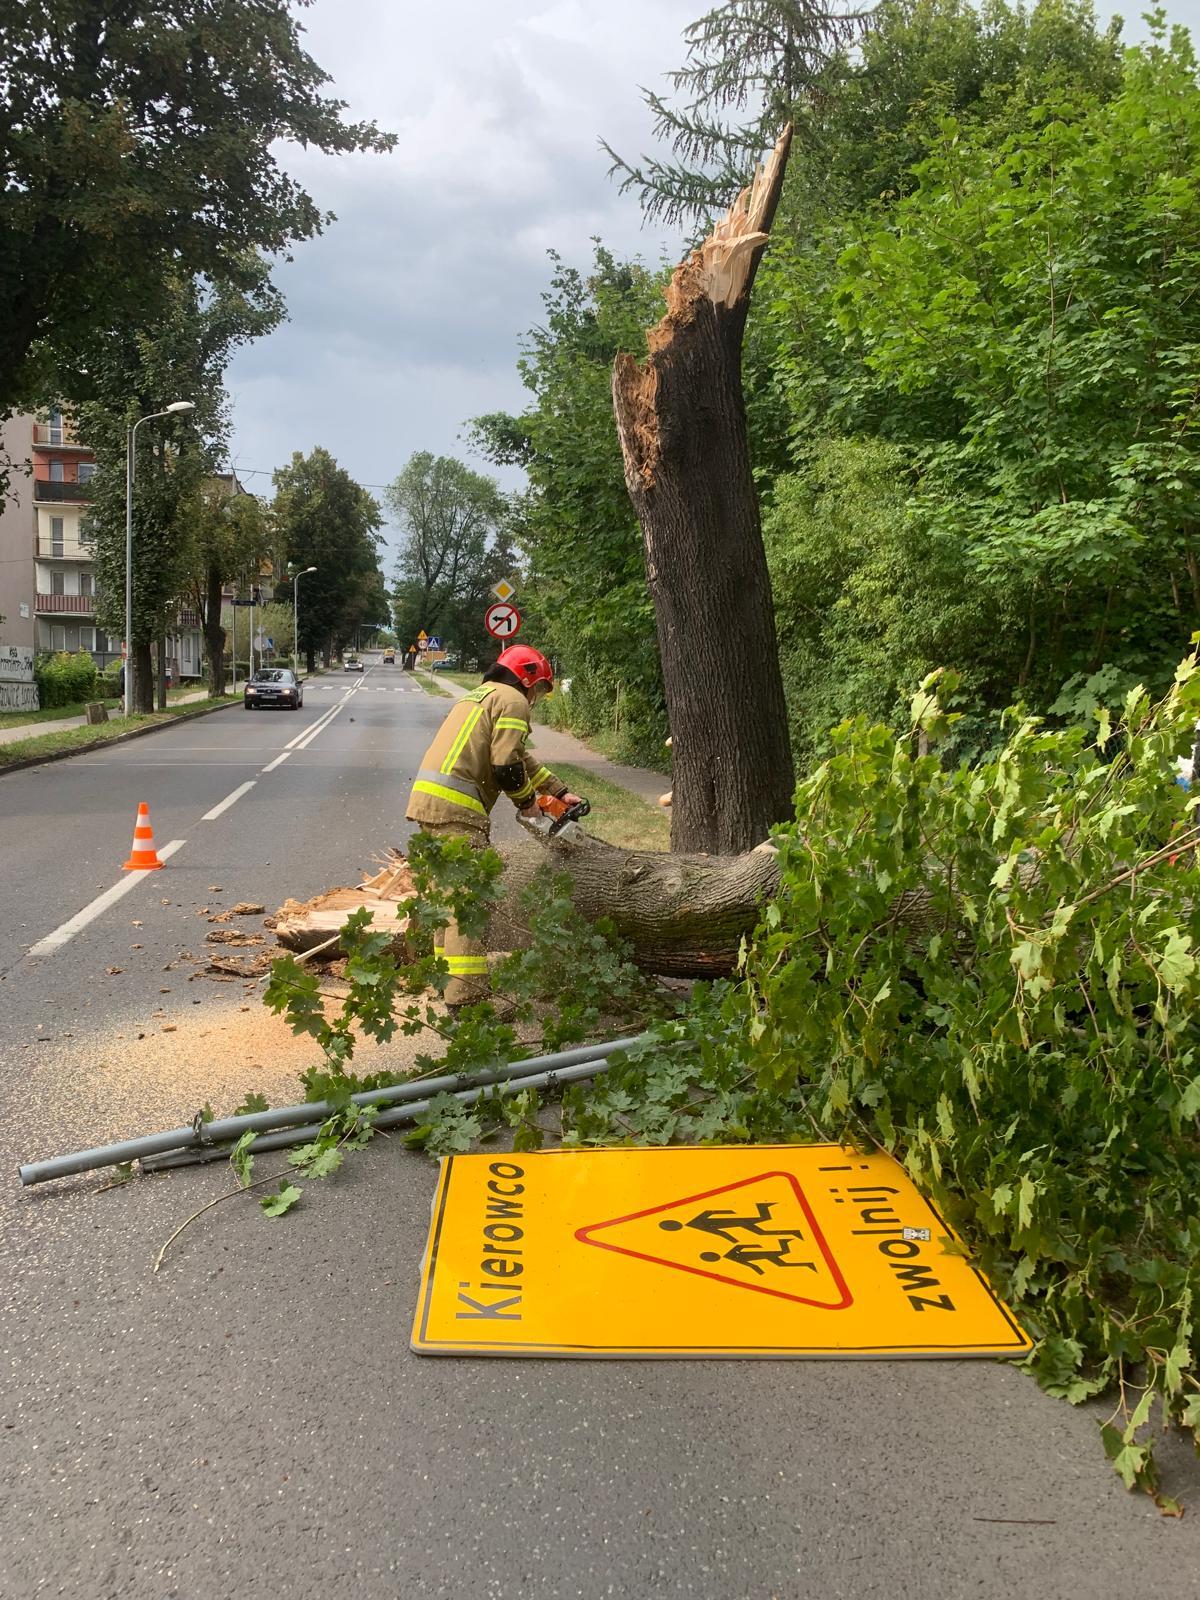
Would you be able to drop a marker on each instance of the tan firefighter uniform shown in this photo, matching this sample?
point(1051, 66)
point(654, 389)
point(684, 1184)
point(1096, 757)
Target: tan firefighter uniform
point(457, 787)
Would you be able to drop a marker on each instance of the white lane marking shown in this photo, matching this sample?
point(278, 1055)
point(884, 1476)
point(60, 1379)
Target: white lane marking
point(278, 761)
point(68, 930)
point(325, 717)
point(325, 721)
point(224, 805)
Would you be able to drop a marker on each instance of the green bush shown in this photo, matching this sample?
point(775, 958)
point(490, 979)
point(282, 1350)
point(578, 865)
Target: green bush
point(65, 680)
point(994, 973)
point(628, 715)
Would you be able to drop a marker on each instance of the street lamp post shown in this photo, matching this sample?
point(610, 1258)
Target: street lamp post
point(296, 618)
point(130, 465)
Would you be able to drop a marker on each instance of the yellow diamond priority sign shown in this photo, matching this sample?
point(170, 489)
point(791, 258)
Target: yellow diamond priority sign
point(787, 1250)
point(503, 590)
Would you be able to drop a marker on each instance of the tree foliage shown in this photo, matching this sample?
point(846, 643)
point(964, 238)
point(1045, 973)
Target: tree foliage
point(140, 143)
point(1027, 281)
point(181, 356)
point(324, 519)
point(585, 583)
point(455, 546)
point(750, 66)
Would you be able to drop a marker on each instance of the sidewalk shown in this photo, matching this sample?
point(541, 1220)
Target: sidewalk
point(34, 730)
point(552, 745)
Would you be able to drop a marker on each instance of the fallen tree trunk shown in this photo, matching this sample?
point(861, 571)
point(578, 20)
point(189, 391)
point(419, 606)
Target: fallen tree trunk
point(682, 916)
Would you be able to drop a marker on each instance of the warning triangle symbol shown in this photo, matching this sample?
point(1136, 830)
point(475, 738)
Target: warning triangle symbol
point(758, 1234)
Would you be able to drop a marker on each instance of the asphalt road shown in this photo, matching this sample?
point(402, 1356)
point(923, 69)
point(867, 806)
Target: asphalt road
point(250, 1421)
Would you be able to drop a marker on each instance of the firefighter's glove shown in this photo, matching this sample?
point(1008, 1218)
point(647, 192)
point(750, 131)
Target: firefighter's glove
point(575, 800)
point(535, 820)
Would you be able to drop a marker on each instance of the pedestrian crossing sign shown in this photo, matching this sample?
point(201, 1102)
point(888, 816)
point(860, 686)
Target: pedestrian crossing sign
point(790, 1250)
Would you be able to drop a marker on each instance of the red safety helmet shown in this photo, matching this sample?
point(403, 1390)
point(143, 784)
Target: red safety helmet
point(528, 664)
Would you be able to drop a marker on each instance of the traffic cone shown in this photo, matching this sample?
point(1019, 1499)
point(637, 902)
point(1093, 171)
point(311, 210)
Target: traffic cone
point(143, 856)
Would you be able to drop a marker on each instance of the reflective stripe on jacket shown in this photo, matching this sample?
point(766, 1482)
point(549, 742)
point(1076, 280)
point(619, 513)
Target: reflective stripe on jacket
point(486, 728)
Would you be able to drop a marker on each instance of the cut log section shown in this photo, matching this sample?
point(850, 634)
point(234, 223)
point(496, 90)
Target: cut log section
point(301, 925)
point(682, 916)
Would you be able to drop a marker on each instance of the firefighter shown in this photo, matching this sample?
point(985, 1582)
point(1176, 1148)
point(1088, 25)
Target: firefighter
point(479, 754)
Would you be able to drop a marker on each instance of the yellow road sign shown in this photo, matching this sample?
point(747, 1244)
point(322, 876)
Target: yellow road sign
point(422, 634)
point(503, 590)
point(773, 1250)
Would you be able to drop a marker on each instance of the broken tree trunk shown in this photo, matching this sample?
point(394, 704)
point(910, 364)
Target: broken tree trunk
point(681, 418)
point(682, 916)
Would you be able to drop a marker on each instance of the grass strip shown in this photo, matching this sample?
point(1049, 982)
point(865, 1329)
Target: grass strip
point(65, 739)
point(429, 683)
point(77, 708)
point(617, 816)
point(19, 719)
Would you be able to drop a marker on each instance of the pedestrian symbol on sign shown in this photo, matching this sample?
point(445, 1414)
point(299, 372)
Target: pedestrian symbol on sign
point(748, 1244)
point(726, 1226)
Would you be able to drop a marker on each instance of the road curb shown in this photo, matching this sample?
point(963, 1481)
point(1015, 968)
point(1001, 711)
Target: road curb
point(103, 744)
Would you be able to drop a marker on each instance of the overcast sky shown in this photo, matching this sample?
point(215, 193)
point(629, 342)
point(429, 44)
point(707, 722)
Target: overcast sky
point(405, 316)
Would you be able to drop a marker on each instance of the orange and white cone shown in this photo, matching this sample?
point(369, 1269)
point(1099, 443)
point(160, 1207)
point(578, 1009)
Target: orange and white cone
point(143, 855)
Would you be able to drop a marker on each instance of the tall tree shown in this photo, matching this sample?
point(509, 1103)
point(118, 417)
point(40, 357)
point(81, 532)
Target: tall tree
point(183, 357)
point(682, 421)
point(448, 517)
point(139, 143)
point(324, 519)
point(230, 533)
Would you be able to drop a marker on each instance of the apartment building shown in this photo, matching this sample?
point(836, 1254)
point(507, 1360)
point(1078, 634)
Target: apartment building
point(47, 575)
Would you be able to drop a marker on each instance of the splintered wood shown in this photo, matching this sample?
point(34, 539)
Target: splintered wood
point(301, 925)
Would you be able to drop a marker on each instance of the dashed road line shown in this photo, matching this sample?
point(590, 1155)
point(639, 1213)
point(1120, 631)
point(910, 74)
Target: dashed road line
point(67, 930)
point(230, 799)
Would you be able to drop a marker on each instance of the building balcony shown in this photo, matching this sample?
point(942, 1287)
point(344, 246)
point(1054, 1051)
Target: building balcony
point(64, 550)
point(79, 605)
point(56, 436)
point(47, 493)
point(187, 619)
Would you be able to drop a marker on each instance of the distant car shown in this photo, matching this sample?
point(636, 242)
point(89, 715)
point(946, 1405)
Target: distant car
point(447, 664)
point(274, 686)
point(352, 664)
point(389, 657)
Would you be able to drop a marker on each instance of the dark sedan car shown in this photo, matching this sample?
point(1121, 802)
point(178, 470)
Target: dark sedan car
point(274, 686)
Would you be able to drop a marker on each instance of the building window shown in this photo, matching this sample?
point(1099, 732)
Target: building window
point(54, 428)
point(73, 637)
point(87, 583)
point(57, 584)
point(58, 636)
point(86, 471)
point(56, 541)
point(186, 649)
point(87, 638)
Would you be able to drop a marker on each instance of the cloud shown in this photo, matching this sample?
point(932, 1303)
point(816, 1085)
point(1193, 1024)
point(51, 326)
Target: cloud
point(405, 316)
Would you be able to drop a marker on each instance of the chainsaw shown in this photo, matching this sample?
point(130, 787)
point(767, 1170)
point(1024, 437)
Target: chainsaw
point(555, 818)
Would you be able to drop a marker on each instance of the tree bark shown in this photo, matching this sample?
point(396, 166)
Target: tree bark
point(681, 916)
point(143, 677)
point(681, 418)
point(160, 671)
point(214, 633)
